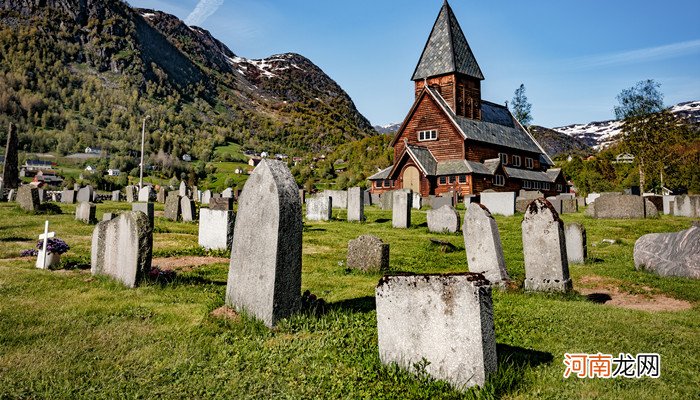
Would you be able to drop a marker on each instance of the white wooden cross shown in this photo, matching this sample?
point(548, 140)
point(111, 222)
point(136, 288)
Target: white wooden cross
point(41, 262)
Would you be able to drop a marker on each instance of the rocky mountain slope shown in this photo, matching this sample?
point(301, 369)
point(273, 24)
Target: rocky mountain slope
point(77, 73)
point(557, 143)
point(601, 134)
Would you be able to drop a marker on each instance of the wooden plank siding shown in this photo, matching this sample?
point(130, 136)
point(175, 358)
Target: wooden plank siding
point(479, 152)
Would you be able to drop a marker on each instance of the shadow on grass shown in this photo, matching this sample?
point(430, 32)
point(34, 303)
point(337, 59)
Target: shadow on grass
point(381, 220)
point(513, 361)
point(16, 239)
point(600, 298)
point(360, 304)
point(197, 280)
point(314, 229)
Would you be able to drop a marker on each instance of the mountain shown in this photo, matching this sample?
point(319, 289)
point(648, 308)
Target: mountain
point(557, 143)
point(388, 129)
point(601, 134)
point(78, 73)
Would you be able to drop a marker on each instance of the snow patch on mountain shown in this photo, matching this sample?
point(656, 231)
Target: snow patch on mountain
point(267, 67)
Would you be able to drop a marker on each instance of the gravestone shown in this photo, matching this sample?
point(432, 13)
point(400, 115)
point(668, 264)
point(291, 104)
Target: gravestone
point(544, 248)
point(122, 248)
point(68, 196)
point(401, 209)
point(85, 212)
point(2, 191)
point(42, 195)
point(367, 197)
point(670, 254)
point(146, 208)
point(116, 195)
point(650, 209)
point(618, 206)
point(581, 202)
point(555, 202)
point(502, 203)
point(569, 206)
point(576, 246)
point(10, 171)
point(11, 195)
point(85, 194)
point(172, 207)
point(368, 253)
point(319, 208)
point(27, 197)
point(340, 198)
point(442, 322)
point(265, 272)
point(228, 192)
point(356, 205)
point(468, 199)
point(183, 189)
point(187, 209)
point(482, 243)
point(145, 194)
point(76, 187)
point(131, 194)
point(591, 198)
point(160, 197)
point(658, 201)
point(443, 220)
point(417, 201)
point(302, 196)
point(108, 216)
point(221, 204)
point(376, 199)
point(216, 228)
point(530, 194)
point(387, 200)
point(206, 197)
point(440, 201)
point(686, 206)
point(667, 204)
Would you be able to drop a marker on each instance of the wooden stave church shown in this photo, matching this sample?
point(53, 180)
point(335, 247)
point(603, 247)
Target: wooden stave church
point(452, 140)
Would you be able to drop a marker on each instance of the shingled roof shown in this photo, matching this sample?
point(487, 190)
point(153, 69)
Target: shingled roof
point(447, 50)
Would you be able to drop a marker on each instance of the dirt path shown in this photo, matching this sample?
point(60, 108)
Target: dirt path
point(609, 291)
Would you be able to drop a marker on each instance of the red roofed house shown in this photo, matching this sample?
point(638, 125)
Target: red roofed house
point(452, 140)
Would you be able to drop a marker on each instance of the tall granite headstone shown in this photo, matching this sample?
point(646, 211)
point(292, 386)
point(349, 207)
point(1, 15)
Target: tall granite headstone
point(28, 198)
point(131, 194)
point(68, 196)
point(356, 205)
point(482, 243)
point(265, 272)
point(85, 212)
point(401, 209)
point(576, 250)
point(172, 207)
point(187, 209)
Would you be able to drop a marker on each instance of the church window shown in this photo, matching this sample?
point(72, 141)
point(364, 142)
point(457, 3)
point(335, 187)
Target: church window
point(499, 180)
point(427, 135)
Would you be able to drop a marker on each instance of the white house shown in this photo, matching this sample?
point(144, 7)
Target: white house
point(113, 172)
point(186, 157)
point(90, 168)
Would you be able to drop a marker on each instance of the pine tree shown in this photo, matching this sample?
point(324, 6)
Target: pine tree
point(522, 109)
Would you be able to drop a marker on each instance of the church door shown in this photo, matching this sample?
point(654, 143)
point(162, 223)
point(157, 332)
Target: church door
point(411, 179)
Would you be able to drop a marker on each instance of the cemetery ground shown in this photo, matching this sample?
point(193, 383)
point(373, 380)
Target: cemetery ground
point(66, 334)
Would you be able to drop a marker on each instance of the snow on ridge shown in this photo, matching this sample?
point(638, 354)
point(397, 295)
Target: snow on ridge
point(148, 15)
point(266, 66)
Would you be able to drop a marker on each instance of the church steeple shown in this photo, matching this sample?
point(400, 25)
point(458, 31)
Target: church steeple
point(448, 66)
point(447, 50)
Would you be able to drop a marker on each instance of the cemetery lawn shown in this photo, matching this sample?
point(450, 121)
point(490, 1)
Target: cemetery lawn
point(66, 334)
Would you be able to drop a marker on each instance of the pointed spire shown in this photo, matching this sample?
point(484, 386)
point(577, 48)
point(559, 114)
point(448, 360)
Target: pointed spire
point(447, 50)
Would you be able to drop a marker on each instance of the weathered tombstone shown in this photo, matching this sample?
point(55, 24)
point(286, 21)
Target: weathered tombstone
point(206, 196)
point(442, 322)
point(76, 187)
point(356, 205)
point(617, 206)
point(85, 194)
point(340, 198)
point(569, 206)
point(265, 272)
point(221, 204)
point(145, 194)
point(131, 194)
point(401, 209)
point(581, 202)
point(183, 189)
point(658, 201)
point(376, 199)
point(46, 259)
point(228, 192)
point(108, 216)
point(668, 200)
point(196, 194)
point(670, 254)
point(216, 228)
point(319, 208)
point(530, 194)
point(187, 209)
point(11, 195)
point(10, 172)
point(85, 212)
point(521, 205)
point(555, 202)
point(172, 207)
point(160, 197)
point(146, 208)
point(443, 220)
point(576, 246)
point(650, 209)
point(544, 248)
point(417, 201)
point(28, 198)
point(686, 206)
point(368, 253)
point(387, 200)
point(482, 243)
point(367, 197)
point(116, 195)
point(502, 203)
point(122, 248)
point(68, 196)
point(440, 201)
point(591, 198)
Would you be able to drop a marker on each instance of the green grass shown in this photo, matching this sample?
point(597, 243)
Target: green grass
point(65, 334)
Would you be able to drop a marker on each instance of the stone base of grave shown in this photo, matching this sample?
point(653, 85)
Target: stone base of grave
point(548, 285)
point(47, 260)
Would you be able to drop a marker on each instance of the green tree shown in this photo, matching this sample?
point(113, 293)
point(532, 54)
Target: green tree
point(641, 99)
point(522, 109)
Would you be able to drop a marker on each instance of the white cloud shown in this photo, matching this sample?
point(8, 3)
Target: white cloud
point(639, 56)
point(203, 10)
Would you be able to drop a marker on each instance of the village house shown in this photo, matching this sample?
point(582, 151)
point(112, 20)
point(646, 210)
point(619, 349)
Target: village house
point(113, 172)
point(452, 139)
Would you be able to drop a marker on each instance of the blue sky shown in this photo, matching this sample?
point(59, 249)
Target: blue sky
point(574, 57)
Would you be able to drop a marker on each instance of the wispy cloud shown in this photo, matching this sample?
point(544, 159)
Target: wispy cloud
point(203, 10)
point(638, 56)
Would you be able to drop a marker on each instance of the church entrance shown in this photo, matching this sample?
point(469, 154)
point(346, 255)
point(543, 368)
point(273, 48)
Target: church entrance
point(411, 179)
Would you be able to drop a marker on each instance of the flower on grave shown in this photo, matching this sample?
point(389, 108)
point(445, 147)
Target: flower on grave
point(53, 245)
point(29, 253)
